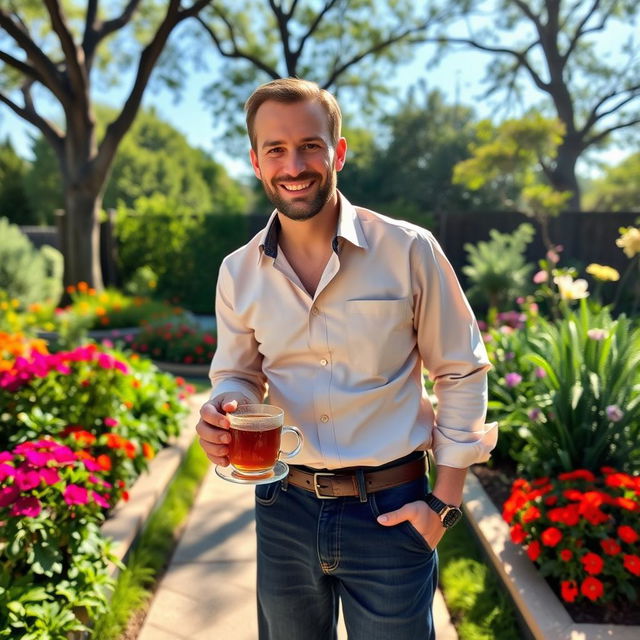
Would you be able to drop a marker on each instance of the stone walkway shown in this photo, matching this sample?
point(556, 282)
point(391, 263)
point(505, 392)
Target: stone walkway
point(209, 589)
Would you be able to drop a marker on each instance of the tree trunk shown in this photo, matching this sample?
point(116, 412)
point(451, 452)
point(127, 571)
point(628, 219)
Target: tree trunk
point(563, 176)
point(81, 238)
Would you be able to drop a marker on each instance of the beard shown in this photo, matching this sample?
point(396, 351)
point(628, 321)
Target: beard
point(302, 207)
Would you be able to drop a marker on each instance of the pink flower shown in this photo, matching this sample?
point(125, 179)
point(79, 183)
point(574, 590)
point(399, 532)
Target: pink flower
point(8, 495)
point(6, 471)
point(597, 334)
point(540, 277)
point(63, 454)
point(512, 379)
point(27, 479)
point(5, 456)
point(75, 494)
point(111, 422)
point(540, 372)
point(614, 413)
point(37, 458)
point(29, 507)
point(100, 500)
point(50, 476)
point(91, 465)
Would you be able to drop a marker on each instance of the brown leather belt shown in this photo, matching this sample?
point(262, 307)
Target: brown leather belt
point(342, 484)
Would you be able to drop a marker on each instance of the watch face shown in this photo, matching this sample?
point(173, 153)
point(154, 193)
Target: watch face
point(451, 517)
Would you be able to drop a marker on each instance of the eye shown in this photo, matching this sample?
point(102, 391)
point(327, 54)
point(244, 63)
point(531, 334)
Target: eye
point(275, 150)
point(310, 146)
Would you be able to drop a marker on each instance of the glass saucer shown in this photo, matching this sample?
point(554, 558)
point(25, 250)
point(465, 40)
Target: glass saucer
point(280, 471)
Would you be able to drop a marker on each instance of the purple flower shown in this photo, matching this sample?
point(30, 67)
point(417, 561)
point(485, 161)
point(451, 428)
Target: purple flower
point(75, 494)
point(614, 413)
point(27, 479)
point(29, 507)
point(509, 355)
point(534, 414)
point(512, 379)
point(8, 495)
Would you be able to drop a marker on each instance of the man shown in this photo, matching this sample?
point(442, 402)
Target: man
point(334, 309)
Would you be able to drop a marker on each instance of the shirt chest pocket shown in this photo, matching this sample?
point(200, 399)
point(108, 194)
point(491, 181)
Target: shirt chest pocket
point(380, 336)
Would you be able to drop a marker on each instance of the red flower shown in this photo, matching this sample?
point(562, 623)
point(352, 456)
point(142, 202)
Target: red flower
point(626, 503)
point(518, 534)
point(578, 474)
point(565, 556)
point(568, 515)
point(533, 550)
point(631, 564)
point(627, 534)
point(573, 494)
point(531, 514)
point(610, 547)
point(591, 588)
point(551, 536)
point(551, 500)
point(568, 590)
point(592, 563)
point(620, 480)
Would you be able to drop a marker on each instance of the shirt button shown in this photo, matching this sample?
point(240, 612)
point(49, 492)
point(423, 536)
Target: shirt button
point(324, 362)
point(324, 418)
point(315, 311)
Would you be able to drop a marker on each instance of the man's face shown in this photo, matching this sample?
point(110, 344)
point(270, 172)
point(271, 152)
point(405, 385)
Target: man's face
point(294, 157)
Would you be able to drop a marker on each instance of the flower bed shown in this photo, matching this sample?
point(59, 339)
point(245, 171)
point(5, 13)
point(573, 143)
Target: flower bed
point(76, 429)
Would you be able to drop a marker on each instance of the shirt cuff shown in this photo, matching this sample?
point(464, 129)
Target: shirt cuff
point(460, 448)
point(236, 385)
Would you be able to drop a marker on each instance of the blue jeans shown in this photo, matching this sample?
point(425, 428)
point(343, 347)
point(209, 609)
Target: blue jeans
point(313, 552)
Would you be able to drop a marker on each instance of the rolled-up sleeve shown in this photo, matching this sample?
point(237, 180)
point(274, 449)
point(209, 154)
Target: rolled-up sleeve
point(454, 355)
point(237, 363)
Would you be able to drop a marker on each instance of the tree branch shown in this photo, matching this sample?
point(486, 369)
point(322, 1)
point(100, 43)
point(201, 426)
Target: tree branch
point(25, 69)
point(49, 75)
point(524, 7)
point(74, 60)
point(580, 30)
point(48, 129)
point(237, 53)
point(282, 18)
point(603, 134)
point(314, 25)
point(594, 116)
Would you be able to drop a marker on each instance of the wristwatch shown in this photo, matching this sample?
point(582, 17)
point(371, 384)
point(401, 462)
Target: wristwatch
point(449, 513)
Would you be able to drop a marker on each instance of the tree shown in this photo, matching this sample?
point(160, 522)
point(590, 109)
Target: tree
point(56, 52)
point(14, 203)
point(559, 47)
point(409, 171)
point(342, 45)
point(617, 189)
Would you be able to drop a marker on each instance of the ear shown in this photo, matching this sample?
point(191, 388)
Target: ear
point(254, 164)
point(341, 154)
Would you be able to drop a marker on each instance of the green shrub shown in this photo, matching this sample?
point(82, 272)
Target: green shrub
point(183, 249)
point(26, 273)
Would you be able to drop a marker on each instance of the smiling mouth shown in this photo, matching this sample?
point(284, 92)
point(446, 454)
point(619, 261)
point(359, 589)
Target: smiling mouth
point(295, 187)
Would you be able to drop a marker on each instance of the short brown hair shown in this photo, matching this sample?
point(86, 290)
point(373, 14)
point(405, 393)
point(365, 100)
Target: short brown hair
point(290, 90)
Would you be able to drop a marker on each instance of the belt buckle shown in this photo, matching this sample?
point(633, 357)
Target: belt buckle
point(316, 487)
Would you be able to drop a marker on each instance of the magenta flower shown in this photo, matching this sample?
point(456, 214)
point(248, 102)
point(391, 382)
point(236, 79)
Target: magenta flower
point(37, 458)
point(91, 465)
point(540, 372)
point(27, 479)
point(63, 454)
point(75, 494)
point(512, 379)
point(8, 495)
point(29, 507)
point(614, 413)
point(50, 476)
point(5, 456)
point(6, 471)
point(111, 422)
point(100, 500)
point(534, 414)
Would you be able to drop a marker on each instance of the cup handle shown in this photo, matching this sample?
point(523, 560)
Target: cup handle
point(298, 434)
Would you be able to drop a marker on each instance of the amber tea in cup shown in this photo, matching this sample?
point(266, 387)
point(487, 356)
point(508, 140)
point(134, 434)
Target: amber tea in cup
point(256, 430)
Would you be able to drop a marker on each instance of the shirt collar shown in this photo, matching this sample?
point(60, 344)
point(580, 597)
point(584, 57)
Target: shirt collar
point(349, 228)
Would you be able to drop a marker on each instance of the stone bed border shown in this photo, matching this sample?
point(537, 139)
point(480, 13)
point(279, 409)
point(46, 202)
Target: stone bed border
point(128, 518)
point(540, 609)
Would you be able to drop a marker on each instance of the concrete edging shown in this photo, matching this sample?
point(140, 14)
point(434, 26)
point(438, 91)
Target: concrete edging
point(540, 608)
point(128, 518)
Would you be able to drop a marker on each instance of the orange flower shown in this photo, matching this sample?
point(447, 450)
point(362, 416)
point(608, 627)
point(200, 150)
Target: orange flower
point(104, 461)
point(70, 289)
point(84, 438)
point(128, 404)
point(104, 320)
point(83, 287)
point(147, 451)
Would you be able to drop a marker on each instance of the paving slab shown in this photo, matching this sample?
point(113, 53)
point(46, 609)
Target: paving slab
point(209, 588)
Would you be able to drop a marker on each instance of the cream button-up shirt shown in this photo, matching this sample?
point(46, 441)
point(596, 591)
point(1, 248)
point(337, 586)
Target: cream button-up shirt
point(346, 365)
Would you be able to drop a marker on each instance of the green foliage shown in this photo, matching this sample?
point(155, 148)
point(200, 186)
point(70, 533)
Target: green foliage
point(156, 543)
point(480, 609)
point(14, 203)
point(572, 390)
point(617, 189)
point(184, 250)
point(26, 273)
point(408, 173)
point(497, 268)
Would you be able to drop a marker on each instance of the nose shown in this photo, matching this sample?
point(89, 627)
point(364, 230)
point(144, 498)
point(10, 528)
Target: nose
point(294, 164)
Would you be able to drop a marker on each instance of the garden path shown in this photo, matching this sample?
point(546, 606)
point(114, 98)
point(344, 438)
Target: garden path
point(209, 588)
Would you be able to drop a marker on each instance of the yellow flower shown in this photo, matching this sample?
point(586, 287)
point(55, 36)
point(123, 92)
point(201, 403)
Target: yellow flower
point(603, 272)
point(629, 241)
point(571, 289)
